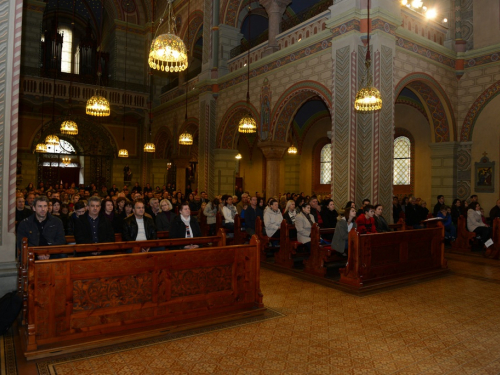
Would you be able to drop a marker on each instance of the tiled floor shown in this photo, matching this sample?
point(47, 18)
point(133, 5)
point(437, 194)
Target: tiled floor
point(449, 325)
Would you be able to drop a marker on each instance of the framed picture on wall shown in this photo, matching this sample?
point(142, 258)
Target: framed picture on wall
point(484, 173)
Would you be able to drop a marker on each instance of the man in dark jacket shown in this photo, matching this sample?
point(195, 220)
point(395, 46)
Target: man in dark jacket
point(251, 214)
point(412, 217)
point(138, 227)
point(41, 229)
point(22, 212)
point(93, 226)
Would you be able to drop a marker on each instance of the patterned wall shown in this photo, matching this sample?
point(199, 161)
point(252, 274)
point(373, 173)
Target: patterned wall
point(386, 132)
point(364, 137)
point(340, 127)
point(464, 175)
point(207, 142)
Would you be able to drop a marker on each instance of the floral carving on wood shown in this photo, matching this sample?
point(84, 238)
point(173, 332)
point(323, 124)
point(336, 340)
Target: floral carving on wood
point(201, 281)
point(113, 291)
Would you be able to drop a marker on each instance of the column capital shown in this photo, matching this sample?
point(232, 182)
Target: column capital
point(275, 5)
point(273, 150)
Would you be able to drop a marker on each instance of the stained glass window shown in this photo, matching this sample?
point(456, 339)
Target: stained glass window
point(326, 165)
point(66, 50)
point(64, 147)
point(402, 161)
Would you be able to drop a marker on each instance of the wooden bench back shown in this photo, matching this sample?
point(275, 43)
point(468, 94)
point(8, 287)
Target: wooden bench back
point(75, 299)
point(240, 236)
point(118, 237)
point(376, 257)
point(464, 237)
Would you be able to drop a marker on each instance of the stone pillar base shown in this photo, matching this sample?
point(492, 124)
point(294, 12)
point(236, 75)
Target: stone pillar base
point(273, 151)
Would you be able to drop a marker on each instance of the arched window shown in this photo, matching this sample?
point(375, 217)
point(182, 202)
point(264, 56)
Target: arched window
point(326, 165)
point(67, 50)
point(402, 161)
point(322, 166)
point(64, 147)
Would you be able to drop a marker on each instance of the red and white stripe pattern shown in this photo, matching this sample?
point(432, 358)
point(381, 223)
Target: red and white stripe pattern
point(14, 108)
point(376, 133)
point(353, 137)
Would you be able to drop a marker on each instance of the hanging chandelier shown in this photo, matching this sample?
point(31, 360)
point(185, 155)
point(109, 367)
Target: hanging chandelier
point(69, 127)
point(98, 105)
point(52, 140)
point(368, 98)
point(41, 148)
point(168, 52)
point(149, 147)
point(292, 149)
point(247, 123)
point(238, 156)
point(186, 139)
point(123, 153)
point(66, 160)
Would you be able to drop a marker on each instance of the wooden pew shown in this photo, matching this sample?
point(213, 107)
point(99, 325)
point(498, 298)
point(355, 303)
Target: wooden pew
point(288, 246)
point(80, 303)
point(240, 236)
point(400, 225)
point(385, 259)
point(118, 236)
point(204, 225)
point(219, 240)
point(494, 250)
point(259, 232)
point(320, 254)
point(464, 237)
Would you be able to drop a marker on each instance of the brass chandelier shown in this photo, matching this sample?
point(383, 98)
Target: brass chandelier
point(292, 149)
point(98, 105)
point(368, 98)
point(186, 139)
point(248, 124)
point(168, 53)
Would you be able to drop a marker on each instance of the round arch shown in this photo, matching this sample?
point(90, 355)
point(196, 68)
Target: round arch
point(163, 143)
point(230, 12)
point(475, 110)
point(437, 104)
point(291, 101)
point(195, 24)
point(228, 132)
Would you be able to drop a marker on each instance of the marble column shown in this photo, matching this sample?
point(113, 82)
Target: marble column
point(11, 19)
point(181, 163)
point(273, 151)
point(444, 169)
point(275, 10)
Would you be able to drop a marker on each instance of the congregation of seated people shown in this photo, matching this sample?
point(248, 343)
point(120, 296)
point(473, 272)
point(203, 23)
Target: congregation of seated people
point(92, 215)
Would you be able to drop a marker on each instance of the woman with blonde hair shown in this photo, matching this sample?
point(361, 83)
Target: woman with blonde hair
point(165, 217)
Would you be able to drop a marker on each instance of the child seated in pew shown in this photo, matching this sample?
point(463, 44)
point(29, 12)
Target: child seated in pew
point(344, 225)
point(365, 222)
point(303, 224)
point(450, 231)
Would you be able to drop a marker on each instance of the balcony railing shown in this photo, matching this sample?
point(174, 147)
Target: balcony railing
point(81, 92)
point(285, 25)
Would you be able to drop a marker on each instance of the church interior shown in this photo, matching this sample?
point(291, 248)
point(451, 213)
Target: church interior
point(292, 69)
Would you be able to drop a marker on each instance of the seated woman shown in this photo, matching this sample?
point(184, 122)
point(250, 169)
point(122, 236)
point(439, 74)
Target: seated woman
point(329, 215)
point(273, 219)
point(303, 223)
point(210, 212)
point(185, 226)
point(290, 212)
point(344, 226)
point(229, 212)
point(450, 231)
point(475, 223)
point(380, 222)
point(165, 217)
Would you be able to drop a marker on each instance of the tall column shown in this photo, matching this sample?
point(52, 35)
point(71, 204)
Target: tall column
point(224, 171)
point(275, 10)
point(444, 169)
point(181, 163)
point(10, 63)
point(362, 143)
point(207, 141)
point(273, 151)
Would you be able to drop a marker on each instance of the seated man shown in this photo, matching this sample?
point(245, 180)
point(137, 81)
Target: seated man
point(22, 212)
point(41, 229)
point(365, 222)
point(251, 214)
point(185, 226)
point(495, 211)
point(412, 217)
point(139, 227)
point(93, 226)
